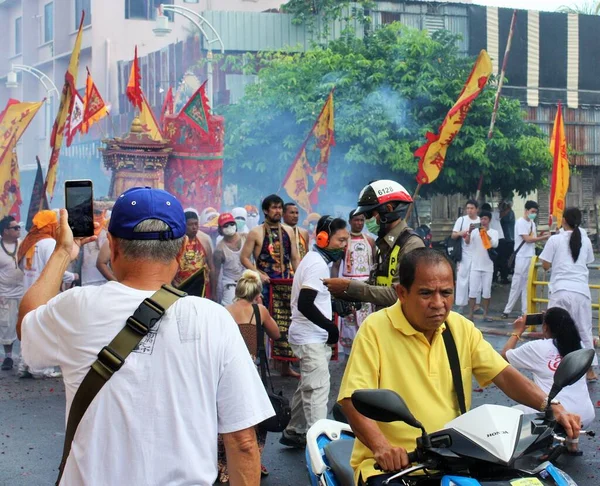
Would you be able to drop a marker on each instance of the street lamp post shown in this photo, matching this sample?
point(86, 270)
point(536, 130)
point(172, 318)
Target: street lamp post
point(49, 86)
point(207, 31)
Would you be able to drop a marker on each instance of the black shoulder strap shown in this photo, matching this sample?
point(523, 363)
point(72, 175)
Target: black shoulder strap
point(111, 358)
point(455, 368)
point(261, 352)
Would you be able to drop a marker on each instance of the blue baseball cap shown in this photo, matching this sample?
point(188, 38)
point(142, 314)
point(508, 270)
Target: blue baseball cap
point(141, 203)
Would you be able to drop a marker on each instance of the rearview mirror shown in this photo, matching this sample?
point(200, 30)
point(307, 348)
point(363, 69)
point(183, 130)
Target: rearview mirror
point(384, 406)
point(570, 370)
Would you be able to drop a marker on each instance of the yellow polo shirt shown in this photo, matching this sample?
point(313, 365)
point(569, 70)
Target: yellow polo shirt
point(389, 353)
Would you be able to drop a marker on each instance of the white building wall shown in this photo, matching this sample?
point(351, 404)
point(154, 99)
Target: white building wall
point(110, 38)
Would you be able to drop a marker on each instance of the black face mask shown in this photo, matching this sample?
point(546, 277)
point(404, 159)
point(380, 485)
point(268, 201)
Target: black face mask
point(331, 256)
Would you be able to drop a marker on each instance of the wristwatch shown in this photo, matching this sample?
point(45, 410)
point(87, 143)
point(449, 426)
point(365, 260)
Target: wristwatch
point(554, 401)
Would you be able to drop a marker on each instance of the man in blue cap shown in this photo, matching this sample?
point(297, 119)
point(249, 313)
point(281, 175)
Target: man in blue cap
point(157, 419)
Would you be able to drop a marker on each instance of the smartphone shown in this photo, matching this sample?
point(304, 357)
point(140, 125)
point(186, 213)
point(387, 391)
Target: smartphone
point(534, 319)
point(476, 225)
point(79, 201)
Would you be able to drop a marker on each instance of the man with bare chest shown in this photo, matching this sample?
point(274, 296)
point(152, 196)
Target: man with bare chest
point(271, 250)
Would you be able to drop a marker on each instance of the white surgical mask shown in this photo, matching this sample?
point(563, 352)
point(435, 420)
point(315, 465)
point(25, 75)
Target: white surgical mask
point(229, 230)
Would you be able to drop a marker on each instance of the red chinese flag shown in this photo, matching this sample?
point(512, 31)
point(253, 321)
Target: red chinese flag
point(134, 89)
point(168, 106)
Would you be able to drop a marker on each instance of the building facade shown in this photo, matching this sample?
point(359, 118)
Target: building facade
point(41, 34)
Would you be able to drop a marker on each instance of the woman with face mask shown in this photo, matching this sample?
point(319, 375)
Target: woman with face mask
point(227, 257)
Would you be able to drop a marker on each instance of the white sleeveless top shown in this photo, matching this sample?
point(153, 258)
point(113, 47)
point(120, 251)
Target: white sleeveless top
point(232, 266)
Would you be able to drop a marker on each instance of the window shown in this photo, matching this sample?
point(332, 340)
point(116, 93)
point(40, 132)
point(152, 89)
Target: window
point(48, 21)
point(145, 9)
point(86, 6)
point(18, 35)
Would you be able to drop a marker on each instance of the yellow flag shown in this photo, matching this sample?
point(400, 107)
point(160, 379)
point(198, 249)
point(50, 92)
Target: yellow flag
point(325, 139)
point(433, 154)
point(560, 169)
point(16, 119)
point(149, 123)
point(296, 180)
point(10, 191)
point(64, 110)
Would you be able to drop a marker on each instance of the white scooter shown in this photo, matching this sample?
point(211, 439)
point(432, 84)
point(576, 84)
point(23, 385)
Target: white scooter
point(489, 445)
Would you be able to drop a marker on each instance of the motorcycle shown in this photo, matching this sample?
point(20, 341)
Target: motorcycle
point(491, 445)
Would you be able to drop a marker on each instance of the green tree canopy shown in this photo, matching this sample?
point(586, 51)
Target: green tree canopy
point(391, 88)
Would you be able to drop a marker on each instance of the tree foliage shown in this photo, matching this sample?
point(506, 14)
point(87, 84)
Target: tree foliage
point(390, 89)
point(307, 11)
point(584, 7)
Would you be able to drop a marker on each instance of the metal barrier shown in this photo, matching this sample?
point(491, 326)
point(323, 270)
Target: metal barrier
point(534, 301)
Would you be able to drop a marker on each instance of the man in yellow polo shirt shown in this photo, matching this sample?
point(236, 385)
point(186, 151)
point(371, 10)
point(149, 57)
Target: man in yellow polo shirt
point(401, 348)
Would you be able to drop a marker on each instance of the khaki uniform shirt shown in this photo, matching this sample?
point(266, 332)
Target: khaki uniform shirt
point(378, 295)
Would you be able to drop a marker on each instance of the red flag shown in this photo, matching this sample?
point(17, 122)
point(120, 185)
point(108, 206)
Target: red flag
point(95, 108)
point(168, 106)
point(134, 90)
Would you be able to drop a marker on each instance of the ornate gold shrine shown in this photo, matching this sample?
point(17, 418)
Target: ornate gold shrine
point(136, 160)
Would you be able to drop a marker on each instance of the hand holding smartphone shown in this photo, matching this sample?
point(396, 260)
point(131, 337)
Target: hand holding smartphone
point(79, 202)
point(534, 319)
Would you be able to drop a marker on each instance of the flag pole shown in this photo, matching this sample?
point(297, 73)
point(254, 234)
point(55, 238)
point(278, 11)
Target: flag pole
point(501, 81)
point(410, 207)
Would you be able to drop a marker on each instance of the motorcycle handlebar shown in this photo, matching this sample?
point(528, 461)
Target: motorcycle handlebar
point(412, 457)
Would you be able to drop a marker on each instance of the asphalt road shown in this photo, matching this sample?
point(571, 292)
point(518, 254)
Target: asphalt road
point(32, 428)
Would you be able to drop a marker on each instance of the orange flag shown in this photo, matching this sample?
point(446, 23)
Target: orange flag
point(559, 184)
point(134, 89)
point(66, 106)
point(433, 153)
point(95, 108)
point(295, 182)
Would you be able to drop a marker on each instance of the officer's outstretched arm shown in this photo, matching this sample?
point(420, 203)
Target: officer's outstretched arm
point(363, 292)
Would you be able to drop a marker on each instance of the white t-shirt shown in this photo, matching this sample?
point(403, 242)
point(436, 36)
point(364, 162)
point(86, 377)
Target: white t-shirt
point(11, 276)
point(524, 227)
point(90, 275)
point(311, 270)
point(566, 274)
point(496, 225)
point(480, 260)
point(156, 420)
point(42, 253)
point(542, 358)
point(462, 224)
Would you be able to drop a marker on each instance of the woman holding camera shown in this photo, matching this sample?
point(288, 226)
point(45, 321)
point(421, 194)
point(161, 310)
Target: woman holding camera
point(543, 356)
point(568, 254)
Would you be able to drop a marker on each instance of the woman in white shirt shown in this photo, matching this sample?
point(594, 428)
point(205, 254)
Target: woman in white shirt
point(568, 253)
point(542, 356)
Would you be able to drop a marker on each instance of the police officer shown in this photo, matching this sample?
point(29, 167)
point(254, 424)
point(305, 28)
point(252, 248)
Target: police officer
point(384, 204)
